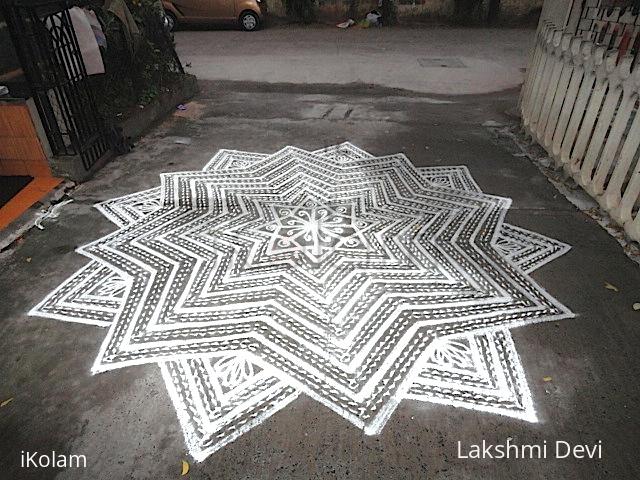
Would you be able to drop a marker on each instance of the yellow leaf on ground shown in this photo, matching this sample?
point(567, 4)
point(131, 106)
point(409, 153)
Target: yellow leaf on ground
point(546, 379)
point(6, 402)
point(608, 286)
point(185, 468)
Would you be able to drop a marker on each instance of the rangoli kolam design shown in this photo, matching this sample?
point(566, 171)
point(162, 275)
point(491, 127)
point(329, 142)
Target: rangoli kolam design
point(357, 280)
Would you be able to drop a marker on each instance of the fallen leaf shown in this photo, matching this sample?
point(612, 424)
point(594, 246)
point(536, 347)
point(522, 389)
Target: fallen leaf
point(6, 402)
point(546, 379)
point(28, 259)
point(608, 286)
point(636, 306)
point(185, 468)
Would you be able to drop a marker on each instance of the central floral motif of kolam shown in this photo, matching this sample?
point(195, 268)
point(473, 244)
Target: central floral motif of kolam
point(356, 280)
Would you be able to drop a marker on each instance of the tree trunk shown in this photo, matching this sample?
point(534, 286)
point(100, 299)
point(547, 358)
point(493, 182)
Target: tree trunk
point(494, 12)
point(353, 9)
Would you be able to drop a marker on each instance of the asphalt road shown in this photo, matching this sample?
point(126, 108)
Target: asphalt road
point(427, 60)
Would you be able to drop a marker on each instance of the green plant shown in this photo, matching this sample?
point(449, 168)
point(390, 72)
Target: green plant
point(389, 12)
point(301, 10)
point(467, 11)
point(352, 11)
point(493, 12)
point(477, 11)
point(140, 65)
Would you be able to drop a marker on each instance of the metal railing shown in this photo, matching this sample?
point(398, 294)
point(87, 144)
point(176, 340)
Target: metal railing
point(580, 102)
point(49, 53)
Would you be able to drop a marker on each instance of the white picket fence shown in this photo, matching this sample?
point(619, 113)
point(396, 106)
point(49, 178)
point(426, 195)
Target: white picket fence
point(580, 102)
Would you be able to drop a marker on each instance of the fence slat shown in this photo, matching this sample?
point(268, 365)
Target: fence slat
point(580, 102)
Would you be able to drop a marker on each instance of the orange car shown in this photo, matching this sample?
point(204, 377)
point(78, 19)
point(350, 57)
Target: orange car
point(249, 14)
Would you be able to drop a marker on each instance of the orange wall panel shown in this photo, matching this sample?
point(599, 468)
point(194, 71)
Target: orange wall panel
point(20, 149)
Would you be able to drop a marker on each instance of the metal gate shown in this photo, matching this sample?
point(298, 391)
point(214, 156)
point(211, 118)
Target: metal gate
point(48, 50)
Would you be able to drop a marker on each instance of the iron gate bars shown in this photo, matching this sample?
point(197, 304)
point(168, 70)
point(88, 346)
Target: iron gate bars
point(48, 50)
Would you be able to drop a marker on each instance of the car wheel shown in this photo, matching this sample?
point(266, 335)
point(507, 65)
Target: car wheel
point(249, 21)
point(170, 21)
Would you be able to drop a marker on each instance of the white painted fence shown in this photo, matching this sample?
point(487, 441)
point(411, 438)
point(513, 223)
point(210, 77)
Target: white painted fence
point(580, 102)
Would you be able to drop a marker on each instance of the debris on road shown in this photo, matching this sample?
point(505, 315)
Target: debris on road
point(52, 212)
point(346, 24)
point(608, 286)
point(492, 124)
point(192, 111)
point(374, 18)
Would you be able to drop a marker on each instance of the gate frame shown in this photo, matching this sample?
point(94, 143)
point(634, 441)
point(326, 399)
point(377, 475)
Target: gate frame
point(48, 50)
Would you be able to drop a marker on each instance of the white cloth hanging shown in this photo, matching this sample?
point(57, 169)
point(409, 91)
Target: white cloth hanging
point(89, 48)
point(96, 27)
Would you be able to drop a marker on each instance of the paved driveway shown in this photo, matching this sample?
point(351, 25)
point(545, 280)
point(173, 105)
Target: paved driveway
point(581, 373)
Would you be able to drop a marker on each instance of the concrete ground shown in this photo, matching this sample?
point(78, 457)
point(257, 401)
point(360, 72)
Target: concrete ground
point(124, 422)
